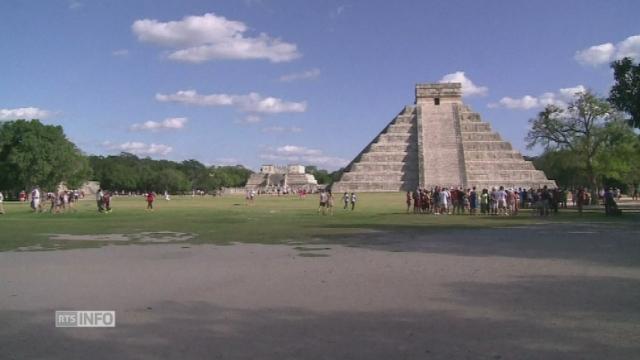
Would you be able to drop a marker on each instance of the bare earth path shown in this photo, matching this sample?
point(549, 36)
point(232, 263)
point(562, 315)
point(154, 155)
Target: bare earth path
point(541, 292)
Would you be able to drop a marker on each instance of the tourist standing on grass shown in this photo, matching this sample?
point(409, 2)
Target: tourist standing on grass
point(99, 196)
point(473, 201)
point(408, 201)
point(1, 203)
point(323, 202)
point(330, 202)
point(35, 199)
point(353, 201)
point(346, 198)
point(484, 202)
point(416, 201)
point(106, 200)
point(150, 198)
point(166, 195)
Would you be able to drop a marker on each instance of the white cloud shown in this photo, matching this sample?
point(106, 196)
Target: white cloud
point(527, 102)
point(252, 102)
point(120, 53)
point(468, 87)
point(166, 124)
point(139, 148)
point(607, 52)
point(305, 75)
point(302, 155)
point(208, 37)
point(27, 113)
point(282, 129)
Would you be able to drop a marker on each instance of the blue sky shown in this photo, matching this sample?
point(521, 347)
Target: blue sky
point(312, 82)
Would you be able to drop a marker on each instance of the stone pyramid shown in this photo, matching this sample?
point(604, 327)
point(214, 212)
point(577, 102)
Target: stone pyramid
point(439, 141)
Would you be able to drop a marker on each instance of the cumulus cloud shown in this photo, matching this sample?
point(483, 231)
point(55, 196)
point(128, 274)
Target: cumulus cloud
point(302, 155)
point(282, 129)
point(197, 39)
point(139, 148)
point(27, 113)
point(468, 87)
point(305, 75)
point(607, 52)
point(559, 98)
point(252, 102)
point(166, 124)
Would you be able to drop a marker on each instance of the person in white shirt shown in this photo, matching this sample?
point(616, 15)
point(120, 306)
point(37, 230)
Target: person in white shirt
point(445, 195)
point(35, 199)
point(1, 203)
point(502, 201)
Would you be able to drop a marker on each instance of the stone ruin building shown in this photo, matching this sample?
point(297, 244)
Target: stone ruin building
point(438, 141)
point(282, 179)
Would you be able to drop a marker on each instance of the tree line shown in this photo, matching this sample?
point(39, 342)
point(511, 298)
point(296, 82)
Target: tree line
point(34, 154)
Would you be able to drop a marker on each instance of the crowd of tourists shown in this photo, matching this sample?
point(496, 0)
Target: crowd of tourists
point(501, 200)
point(53, 202)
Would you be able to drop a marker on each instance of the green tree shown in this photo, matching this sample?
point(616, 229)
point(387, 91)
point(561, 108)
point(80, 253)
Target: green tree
point(580, 128)
point(625, 93)
point(322, 176)
point(32, 153)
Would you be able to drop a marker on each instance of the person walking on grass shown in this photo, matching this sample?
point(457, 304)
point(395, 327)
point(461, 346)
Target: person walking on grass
point(99, 196)
point(346, 198)
point(35, 199)
point(150, 198)
point(322, 208)
point(330, 203)
point(353, 201)
point(1, 203)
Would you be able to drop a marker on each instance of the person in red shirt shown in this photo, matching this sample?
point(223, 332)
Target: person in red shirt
point(150, 197)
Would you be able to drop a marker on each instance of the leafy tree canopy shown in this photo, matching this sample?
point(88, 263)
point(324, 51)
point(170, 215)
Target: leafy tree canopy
point(625, 93)
point(32, 153)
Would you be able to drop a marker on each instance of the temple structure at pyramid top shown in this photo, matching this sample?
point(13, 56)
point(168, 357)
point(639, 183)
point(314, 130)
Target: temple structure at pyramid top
point(438, 141)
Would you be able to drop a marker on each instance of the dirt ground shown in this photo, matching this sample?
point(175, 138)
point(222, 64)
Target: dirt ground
point(548, 291)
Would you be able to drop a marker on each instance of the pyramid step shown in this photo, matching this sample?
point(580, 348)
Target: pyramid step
point(384, 166)
point(404, 119)
point(498, 165)
point(471, 117)
point(480, 136)
point(392, 147)
point(492, 155)
point(507, 176)
point(512, 184)
point(390, 156)
point(394, 176)
point(403, 128)
point(474, 127)
point(469, 145)
point(394, 137)
point(371, 186)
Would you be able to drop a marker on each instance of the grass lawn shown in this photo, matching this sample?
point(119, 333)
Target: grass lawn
point(229, 219)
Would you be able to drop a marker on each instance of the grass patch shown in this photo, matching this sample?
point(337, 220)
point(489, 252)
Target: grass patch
point(225, 220)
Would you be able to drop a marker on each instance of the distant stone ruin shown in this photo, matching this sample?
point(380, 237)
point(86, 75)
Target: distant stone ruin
point(439, 141)
point(289, 178)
